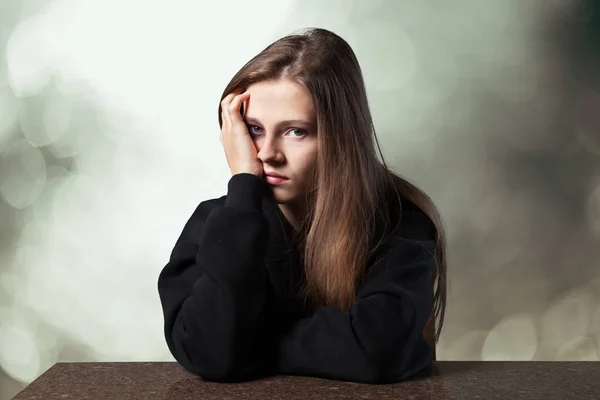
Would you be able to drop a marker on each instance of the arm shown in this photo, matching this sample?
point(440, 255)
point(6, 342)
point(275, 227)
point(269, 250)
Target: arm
point(212, 289)
point(379, 339)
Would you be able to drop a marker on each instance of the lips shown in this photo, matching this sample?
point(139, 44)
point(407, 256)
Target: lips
point(275, 179)
point(274, 175)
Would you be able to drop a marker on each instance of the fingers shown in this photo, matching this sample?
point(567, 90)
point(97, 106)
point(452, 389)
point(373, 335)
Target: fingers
point(234, 107)
point(224, 106)
point(230, 107)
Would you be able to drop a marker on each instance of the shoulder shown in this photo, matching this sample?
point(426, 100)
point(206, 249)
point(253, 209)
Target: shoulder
point(406, 229)
point(408, 246)
point(209, 205)
point(407, 220)
point(193, 226)
point(205, 207)
point(414, 223)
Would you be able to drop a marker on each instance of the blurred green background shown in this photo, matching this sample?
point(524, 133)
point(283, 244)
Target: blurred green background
point(109, 139)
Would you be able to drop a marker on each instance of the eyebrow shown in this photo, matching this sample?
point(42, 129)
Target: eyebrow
point(254, 121)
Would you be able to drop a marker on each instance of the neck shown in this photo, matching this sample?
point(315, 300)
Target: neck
point(293, 214)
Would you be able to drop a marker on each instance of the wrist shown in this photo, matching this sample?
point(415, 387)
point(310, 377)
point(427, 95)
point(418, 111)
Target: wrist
point(253, 171)
point(246, 190)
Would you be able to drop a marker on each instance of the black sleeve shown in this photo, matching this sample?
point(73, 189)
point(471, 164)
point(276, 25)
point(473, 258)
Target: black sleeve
point(380, 338)
point(212, 290)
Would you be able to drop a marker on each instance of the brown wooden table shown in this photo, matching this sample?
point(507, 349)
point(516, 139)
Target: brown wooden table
point(453, 380)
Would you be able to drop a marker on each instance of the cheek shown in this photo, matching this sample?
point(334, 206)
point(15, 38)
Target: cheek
point(307, 170)
point(302, 160)
point(306, 161)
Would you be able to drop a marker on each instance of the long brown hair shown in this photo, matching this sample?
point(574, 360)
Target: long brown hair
point(350, 180)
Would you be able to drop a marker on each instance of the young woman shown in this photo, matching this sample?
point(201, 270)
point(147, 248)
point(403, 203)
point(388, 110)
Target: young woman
point(319, 261)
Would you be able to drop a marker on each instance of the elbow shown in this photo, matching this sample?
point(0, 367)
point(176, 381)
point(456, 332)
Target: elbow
point(393, 365)
point(214, 372)
point(210, 366)
point(372, 375)
point(408, 364)
point(201, 357)
point(382, 374)
point(376, 370)
point(212, 361)
point(361, 368)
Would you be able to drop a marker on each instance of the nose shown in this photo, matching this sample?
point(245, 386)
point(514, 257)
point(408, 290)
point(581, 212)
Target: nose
point(269, 150)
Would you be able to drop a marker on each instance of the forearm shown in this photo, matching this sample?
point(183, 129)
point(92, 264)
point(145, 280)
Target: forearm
point(213, 289)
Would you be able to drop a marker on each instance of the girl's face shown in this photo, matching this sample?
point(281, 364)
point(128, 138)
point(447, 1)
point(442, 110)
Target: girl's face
point(281, 120)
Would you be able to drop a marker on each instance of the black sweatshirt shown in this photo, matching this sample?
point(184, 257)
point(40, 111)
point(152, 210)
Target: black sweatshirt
point(233, 311)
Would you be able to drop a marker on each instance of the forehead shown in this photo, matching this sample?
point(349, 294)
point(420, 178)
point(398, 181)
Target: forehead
point(281, 99)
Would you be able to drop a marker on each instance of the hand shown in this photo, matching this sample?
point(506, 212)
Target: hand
point(239, 148)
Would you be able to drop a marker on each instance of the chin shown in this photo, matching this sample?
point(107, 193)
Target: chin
point(281, 197)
